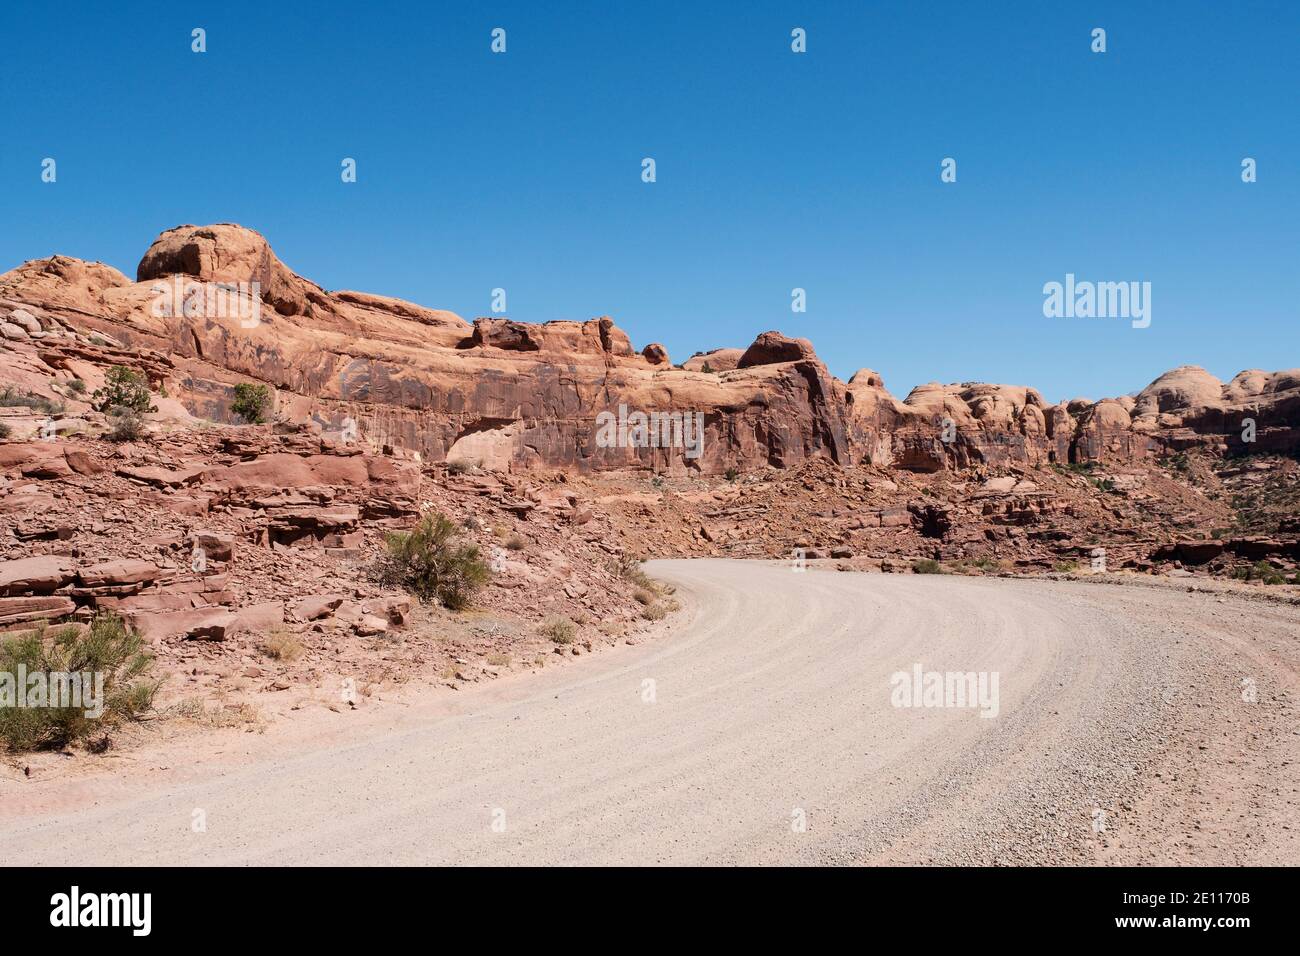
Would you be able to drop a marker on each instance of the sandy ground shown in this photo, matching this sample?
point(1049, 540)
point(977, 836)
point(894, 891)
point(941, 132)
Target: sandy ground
point(760, 728)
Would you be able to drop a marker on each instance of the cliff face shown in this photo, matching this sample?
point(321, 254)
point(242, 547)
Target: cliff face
point(213, 306)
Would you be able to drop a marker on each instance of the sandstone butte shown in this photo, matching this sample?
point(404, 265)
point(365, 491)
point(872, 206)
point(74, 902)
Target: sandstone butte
point(520, 396)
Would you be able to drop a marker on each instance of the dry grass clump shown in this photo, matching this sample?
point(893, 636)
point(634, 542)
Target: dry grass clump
point(281, 644)
point(558, 630)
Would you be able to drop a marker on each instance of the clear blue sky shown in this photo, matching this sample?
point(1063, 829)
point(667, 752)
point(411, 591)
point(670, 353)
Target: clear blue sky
point(775, 170)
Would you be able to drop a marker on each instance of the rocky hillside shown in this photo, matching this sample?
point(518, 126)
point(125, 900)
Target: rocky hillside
point(381, 411)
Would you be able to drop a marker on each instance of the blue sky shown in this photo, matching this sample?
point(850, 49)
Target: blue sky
point(775, 170)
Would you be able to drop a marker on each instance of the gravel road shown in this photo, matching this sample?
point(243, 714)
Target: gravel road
point(764, 727)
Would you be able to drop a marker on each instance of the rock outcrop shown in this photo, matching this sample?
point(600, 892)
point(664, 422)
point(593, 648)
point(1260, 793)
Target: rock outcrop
point(213, 307)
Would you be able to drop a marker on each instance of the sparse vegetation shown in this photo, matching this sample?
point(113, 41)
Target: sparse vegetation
point(461, 466)
point(629, 569)
point(107, 648)
point(732, 474)
point(558, 630)
point(1260, 571)
point(4, 430)
point(125, 424)
point(11, 398)
point(643, 597)
point(1067, 567)
point(499, 660)
point(926, 566)
point(516, 542)
point(431, 563)
point(251, 402)
point(281, 644)
point(223, 716)
point(77, 387)
point(655, 612)
point(123, 388)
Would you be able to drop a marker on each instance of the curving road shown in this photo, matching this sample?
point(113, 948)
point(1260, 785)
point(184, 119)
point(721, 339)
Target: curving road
point(769, 734)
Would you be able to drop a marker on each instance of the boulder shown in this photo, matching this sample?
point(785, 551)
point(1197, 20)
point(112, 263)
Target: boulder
point(655, 354)
point(316, 606)
point(772, 348)
point(35, 575)
point(14, 610)
point(119, 572)
point(24, 319)
point(216, 545)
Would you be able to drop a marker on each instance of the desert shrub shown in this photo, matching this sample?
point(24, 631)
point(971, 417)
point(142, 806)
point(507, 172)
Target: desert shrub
point(251, 402)
point(107, 647)
point(926, 566)
point(4, 430)
point(281, 644)
point(985, 564)
point(461, 466)
point(629, 569)
point(432, 564)
point(1260, 571)
point(14, 399)
point(497, 659)
point(558, 630)
point(77, 387)
point(642, 596)
point(125, 424)
point(123, 388)
point(516, 542)
point(706, 368)
point(732, 474)
point(654, 612)
point(1067, 567)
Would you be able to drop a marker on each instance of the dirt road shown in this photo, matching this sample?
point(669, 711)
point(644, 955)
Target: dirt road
point(765, 728)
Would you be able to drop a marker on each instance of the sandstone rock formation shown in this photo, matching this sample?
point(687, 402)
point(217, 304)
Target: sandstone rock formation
point(523, 396)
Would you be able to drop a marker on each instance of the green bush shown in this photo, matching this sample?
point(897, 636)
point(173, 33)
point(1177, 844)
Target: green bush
point(926, 566)
point(1260, 571)
point(123, 388)
point(432, 564)
point(251, 402)
point(106, 647)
